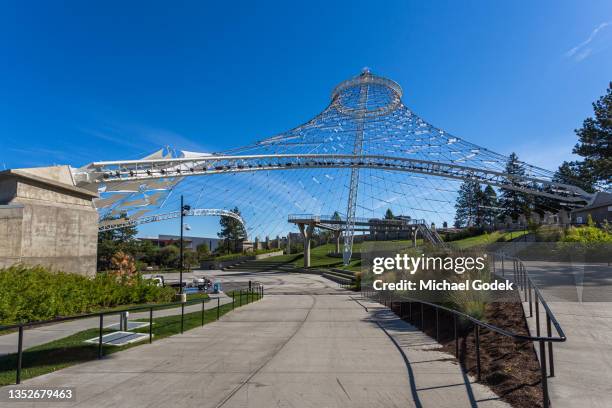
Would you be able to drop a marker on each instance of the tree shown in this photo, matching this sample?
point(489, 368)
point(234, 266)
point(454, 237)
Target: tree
point(489, 205)
point(595, 141)
point(468, 213)
point(146, 252)
point(123, 267)
point(575, 173)
point(168, 257)
point(203, 251)
point(513, 203)
point(389, 214)
point(113, 241)
point(190, 258)
point(232, 230)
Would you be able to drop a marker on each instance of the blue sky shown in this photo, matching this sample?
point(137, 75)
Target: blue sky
point(85, 81)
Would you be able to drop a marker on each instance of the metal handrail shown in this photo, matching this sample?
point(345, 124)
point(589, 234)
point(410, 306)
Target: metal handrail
point(255, 288)
point(524, 283)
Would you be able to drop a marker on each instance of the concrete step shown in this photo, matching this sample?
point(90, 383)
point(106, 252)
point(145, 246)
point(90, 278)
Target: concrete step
point(339, 275)
point(337, 278)
point(348, 274)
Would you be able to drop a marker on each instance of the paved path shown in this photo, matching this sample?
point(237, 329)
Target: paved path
point(306, 344)
point(583, 364)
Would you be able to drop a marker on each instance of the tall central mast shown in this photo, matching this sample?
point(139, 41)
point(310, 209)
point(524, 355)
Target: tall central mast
point(349, 231)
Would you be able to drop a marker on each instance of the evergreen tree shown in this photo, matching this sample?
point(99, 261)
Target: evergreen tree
point(576, 174)
point(595, 141)
point(489, 205)
point(232, 231)
point(389, 214)
point(468, 212)
point(513, 202)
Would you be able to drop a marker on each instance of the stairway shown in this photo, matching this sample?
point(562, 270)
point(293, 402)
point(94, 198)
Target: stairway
point(340, 276)
point(261, 266)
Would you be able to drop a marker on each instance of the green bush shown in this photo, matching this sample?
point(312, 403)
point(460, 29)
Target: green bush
point(587, 235)
point(35, 293)
point(463, 233)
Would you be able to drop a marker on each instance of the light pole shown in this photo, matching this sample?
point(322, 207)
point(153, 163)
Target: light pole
point(184, 210)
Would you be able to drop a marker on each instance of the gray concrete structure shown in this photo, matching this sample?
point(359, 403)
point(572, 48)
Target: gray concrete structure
point(306, 230)
point(46, 220)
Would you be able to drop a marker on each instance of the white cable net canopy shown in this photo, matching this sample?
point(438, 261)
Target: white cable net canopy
point(365, 153)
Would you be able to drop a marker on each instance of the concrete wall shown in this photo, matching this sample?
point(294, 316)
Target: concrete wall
point(47, 222)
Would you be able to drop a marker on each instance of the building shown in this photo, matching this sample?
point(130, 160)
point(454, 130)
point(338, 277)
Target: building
point(189, 243)
point(600, 209)
point(46, 220)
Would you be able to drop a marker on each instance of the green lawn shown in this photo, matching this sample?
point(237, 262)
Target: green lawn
point(486, 239)
point(72, 350)
point(320, 259)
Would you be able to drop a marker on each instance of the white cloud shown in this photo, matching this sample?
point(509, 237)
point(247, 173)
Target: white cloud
point(584, 49)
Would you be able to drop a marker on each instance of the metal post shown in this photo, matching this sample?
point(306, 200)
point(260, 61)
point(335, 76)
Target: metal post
point(550, 347)
point(537, 311)
point(422, 319)
point(530, 302)
point(543, 374)
point(150, 325)
point(218, 307)
point(240, 298)
point(437, 326)
point(203, 312)
point(100, 339)
point(456, 337)
point(182, 316)
point(477, 331)
point(19, 355)
point(181, 257)
point(525, 281)
point(233, 300)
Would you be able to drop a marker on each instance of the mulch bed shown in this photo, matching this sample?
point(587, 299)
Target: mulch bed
point(510, 368)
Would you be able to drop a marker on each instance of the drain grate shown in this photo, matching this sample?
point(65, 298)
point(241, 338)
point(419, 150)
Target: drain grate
point(119, 338)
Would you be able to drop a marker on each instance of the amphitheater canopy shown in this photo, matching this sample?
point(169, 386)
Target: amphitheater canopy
point(364, 153)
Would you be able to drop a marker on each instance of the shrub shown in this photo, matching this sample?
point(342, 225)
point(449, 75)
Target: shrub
point(35, 293)
point(587, 235)
point(549, 233)
point(463, 233)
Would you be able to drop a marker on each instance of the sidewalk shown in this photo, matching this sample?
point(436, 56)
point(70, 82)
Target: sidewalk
point(583, 363)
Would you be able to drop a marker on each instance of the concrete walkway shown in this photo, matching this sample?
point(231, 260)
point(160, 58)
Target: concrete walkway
point(317, 349)
point(583, 364)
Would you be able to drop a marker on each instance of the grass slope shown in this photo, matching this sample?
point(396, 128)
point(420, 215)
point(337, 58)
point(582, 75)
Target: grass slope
point(486, 239)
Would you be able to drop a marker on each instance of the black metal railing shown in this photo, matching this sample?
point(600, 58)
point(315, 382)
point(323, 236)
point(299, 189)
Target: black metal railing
point(237, 296)
point(528, 292)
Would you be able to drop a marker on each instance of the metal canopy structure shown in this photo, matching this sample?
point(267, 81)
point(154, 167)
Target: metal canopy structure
point(364, 153)
point(111, 224)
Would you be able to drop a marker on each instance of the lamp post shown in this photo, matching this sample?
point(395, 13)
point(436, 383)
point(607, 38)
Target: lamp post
point(184, 210)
